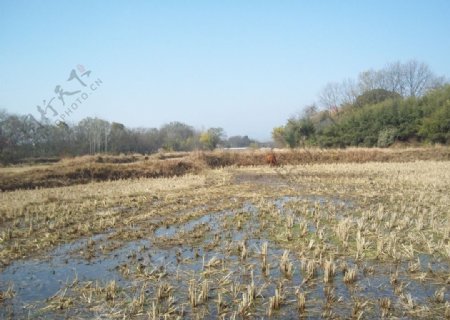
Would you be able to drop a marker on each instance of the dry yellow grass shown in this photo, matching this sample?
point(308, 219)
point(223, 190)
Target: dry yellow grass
point(337, 224)
point(81, 170)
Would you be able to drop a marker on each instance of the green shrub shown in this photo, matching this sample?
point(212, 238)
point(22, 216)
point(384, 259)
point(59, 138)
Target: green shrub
point(386, 137)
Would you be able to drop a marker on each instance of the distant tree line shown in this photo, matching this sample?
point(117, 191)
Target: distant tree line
point(23, 137)
point(403, 102)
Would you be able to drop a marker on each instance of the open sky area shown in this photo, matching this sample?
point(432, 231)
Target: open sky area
point(245, 66)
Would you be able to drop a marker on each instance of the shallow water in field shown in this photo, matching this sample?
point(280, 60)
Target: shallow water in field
point(180, 253)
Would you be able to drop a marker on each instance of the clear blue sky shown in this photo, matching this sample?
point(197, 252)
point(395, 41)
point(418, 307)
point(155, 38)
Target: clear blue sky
point(245, 66)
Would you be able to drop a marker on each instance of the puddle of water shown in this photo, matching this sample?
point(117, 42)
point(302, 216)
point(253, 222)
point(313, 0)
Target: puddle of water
point(211, 219)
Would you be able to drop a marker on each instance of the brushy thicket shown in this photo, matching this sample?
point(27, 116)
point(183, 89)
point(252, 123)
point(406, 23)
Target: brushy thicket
point(87, 169)
point(422, 120)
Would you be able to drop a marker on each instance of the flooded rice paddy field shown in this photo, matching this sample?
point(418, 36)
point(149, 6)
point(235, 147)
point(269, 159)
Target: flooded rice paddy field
point(361, 241)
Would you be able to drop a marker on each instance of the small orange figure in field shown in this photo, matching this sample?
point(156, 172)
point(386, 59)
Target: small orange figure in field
point(271, 159)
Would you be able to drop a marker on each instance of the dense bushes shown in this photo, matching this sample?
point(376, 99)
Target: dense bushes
point(422, 120)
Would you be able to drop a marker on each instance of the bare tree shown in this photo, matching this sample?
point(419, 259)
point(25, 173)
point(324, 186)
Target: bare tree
point(97, 133)
point(329, 97)
point(370, 80)
point(410, 79)
point(418, 78)
point(349, 91)
point(336, 94)
point(394, 75)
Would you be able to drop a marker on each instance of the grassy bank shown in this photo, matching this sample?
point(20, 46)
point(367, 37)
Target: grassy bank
point(86, 169)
